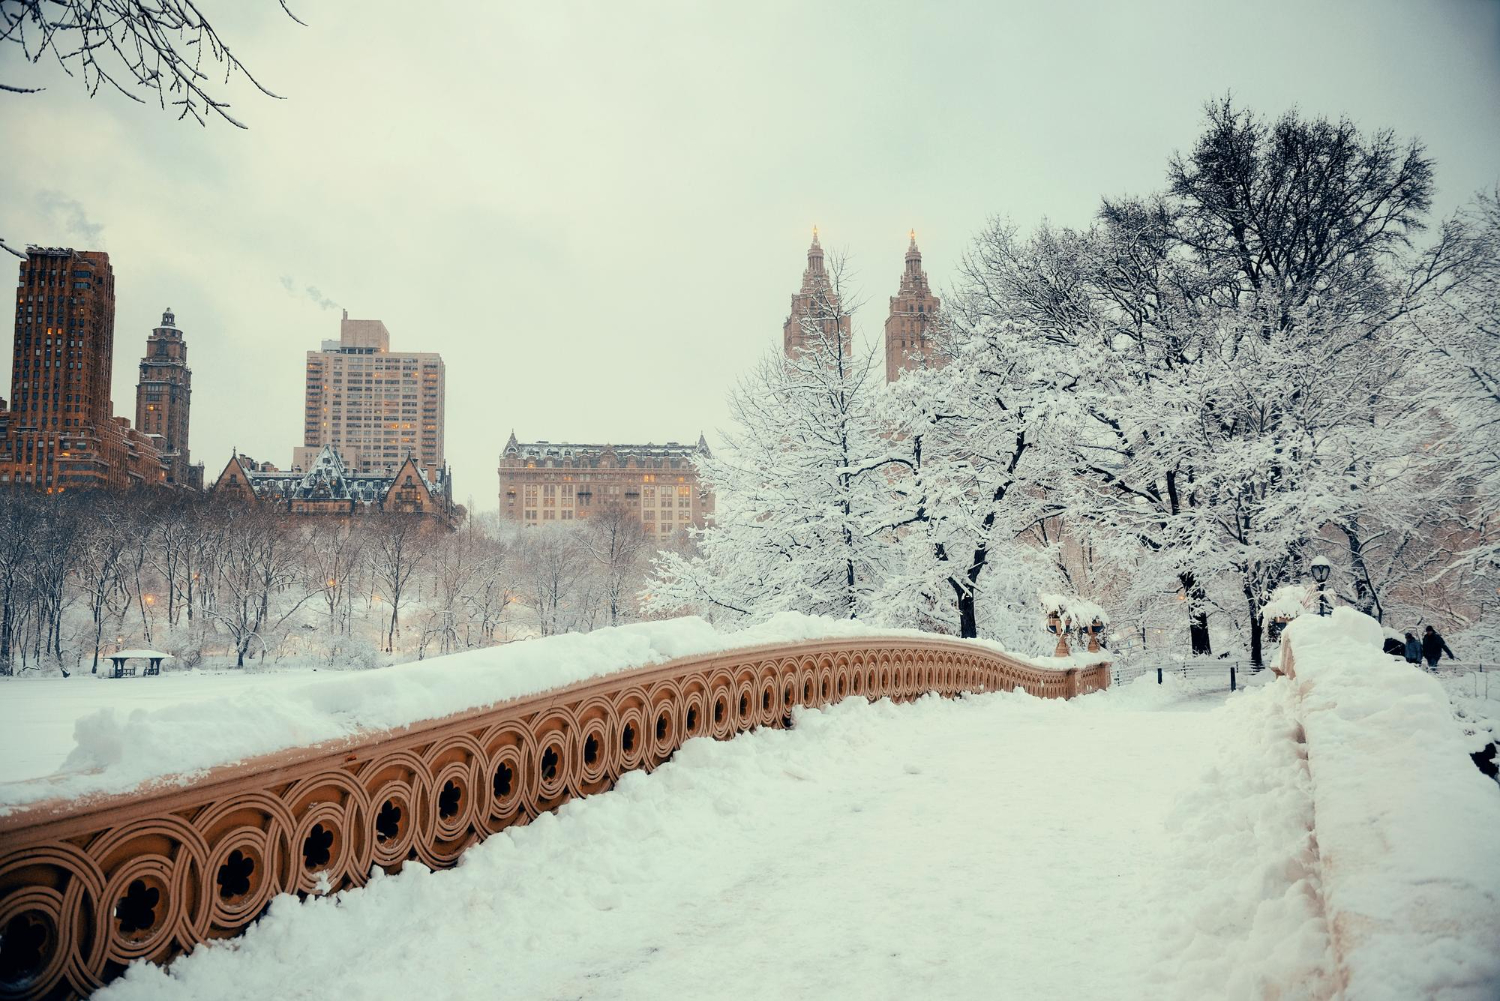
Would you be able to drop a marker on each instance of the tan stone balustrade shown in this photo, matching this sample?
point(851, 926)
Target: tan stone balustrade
point(89, 885)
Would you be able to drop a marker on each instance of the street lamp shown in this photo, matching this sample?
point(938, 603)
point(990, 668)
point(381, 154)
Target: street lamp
point(1321, 568)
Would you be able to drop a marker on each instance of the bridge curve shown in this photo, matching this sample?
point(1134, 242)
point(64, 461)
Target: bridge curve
point(89, 885)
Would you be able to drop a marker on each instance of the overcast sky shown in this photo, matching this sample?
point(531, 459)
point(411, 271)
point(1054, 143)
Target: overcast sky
point(597, 212)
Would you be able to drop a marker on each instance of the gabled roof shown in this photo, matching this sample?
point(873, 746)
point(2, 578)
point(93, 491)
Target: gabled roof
point(326, 479)
point(410, 465)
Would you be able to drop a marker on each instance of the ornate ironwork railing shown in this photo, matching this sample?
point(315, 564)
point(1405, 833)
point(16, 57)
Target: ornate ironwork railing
point(88, 886)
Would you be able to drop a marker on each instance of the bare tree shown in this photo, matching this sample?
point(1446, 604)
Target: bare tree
point(17, 523)
point(399, 547)
point(164, 47)
point(551, 567)
point(617, 542)
point(261, 562)
point(457, 568)
point(336, 556)
point(99, 565)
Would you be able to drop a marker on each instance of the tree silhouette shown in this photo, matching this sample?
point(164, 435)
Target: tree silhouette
point(166, 47)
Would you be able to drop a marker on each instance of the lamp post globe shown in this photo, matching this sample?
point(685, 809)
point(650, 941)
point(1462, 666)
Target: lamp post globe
point(1321, 568)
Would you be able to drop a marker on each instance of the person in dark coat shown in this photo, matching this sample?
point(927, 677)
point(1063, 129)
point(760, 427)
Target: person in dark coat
point(1413, 649)
point(1433, 648)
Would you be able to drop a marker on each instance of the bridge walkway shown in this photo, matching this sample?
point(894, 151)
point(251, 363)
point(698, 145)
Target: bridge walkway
point(995, 846)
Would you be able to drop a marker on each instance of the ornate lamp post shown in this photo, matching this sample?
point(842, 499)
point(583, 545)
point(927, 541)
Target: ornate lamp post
point(1321, 568)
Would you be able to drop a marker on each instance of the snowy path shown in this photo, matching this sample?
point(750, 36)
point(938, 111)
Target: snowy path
point(996, 846)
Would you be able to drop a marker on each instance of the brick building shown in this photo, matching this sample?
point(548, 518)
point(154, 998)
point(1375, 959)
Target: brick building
point(908, 327)
point(327, 487)
point(815, 305)
point(59, 433)
point(163, 399)
point(372, 404)
point(542, 482)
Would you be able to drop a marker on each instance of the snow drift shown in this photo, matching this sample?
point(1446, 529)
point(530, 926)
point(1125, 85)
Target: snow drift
point(1406, 825)
point(116, 751)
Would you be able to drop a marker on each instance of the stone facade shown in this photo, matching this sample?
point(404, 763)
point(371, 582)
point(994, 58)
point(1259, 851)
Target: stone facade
point(372, 404)
point(815, 306)
point(327, 487)
point(913, 311)
point(544, 483)
point(59, 433)
point(163, 399)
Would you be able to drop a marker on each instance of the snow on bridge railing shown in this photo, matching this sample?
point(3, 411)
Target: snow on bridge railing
point(1405, 825)
point(90, 884)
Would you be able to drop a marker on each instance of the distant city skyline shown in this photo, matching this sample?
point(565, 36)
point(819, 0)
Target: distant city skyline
point(607, 269)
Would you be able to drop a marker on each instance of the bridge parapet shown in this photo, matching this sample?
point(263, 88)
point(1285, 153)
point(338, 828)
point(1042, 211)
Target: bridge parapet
point(89, 885)
point(1404, 824)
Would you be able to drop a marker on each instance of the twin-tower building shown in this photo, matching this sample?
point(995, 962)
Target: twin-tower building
point(817, 312)
point(543, 482)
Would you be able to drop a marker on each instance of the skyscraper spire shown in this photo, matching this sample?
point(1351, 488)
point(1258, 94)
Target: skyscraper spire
point(814, 258)
point(913, 308)
point(815, 303)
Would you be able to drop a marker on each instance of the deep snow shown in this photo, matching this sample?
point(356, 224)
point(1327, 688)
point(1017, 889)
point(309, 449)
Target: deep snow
point(994, 846)
point(1408, 828)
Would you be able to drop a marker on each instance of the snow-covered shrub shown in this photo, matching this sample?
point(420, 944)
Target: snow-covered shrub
point(353, 653)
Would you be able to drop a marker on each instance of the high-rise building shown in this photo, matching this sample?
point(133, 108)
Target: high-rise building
point(815, 306)
point(546, 482)
point(374, 405)
point(163, 398)
point(913, 310)
point(59, 432)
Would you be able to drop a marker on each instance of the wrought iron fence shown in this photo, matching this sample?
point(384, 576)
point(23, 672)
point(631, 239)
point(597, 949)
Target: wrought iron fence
point(1480, 681)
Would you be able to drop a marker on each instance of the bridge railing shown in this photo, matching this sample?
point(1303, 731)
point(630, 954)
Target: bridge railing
point(88, 886)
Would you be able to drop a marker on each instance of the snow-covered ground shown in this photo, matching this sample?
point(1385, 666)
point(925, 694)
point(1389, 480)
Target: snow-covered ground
point(38, 715)
point(86, 735)
point(1128, 844)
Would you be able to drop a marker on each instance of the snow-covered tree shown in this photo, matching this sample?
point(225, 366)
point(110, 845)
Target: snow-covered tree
point(797, 483)
point(968, 481)
point(1236, 346)
point(1463, 341)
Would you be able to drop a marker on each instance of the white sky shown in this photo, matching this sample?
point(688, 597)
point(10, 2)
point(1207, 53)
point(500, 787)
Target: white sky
point(597, 212)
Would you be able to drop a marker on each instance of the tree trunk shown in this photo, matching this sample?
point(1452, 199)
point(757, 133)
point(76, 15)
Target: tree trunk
point(1197, 617)
point(968, 620)
point(1365, 598)
point(1257, 621)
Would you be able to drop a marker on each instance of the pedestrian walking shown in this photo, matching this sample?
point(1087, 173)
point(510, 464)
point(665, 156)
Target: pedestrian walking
point(1433, 648)
point(1413, 649)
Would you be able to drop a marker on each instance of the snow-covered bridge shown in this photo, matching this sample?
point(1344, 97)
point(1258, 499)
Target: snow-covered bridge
point(1125, 844)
